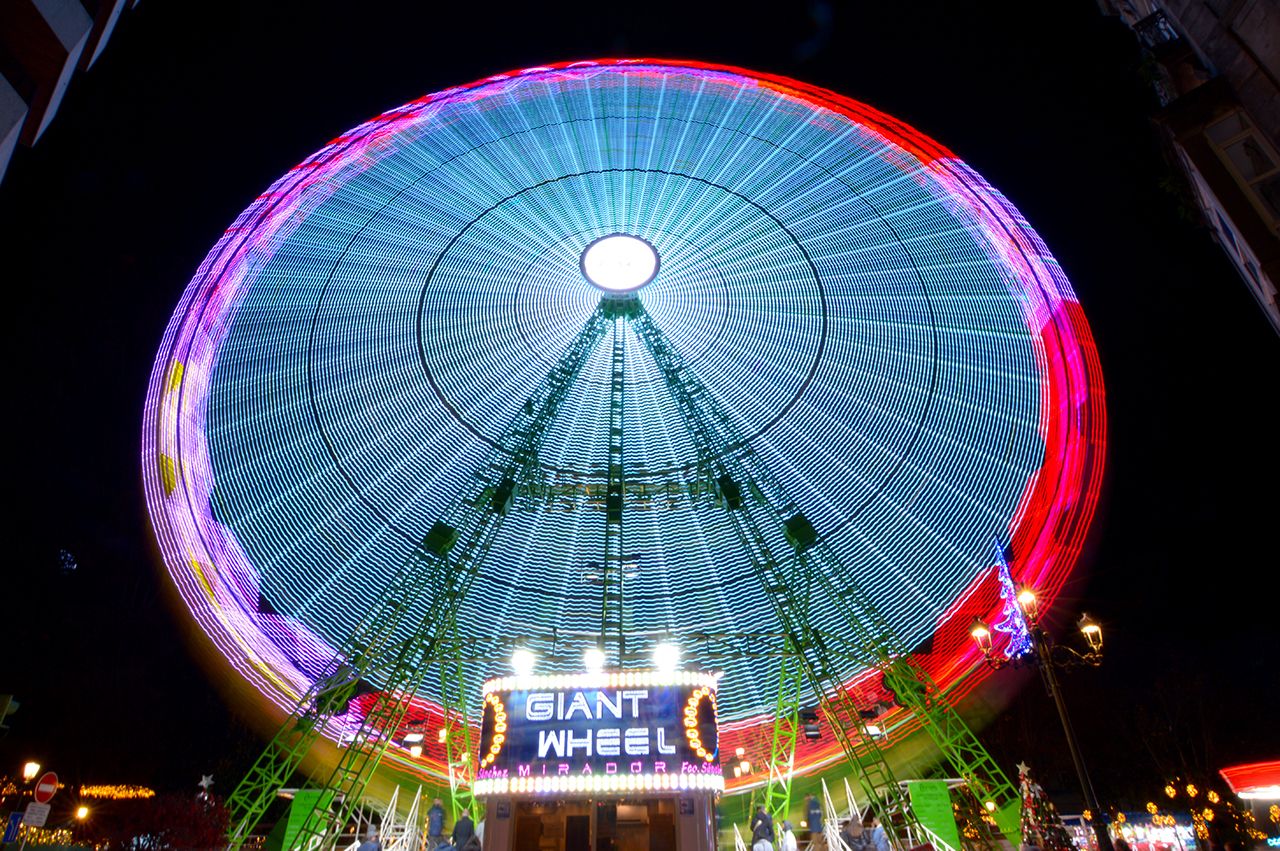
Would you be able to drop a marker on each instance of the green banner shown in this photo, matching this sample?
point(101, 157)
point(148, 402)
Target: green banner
point(931, 802)
point(287, 828)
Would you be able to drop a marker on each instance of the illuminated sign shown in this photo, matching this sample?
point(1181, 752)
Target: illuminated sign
point(595, 733)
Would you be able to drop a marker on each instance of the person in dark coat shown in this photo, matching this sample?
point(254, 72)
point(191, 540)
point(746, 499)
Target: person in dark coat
point(813, 814)
point(762, 830)
point(464, 833)
point(855, 836)
point(435, 824)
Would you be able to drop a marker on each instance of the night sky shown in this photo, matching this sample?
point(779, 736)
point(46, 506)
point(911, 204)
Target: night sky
point(191, 112)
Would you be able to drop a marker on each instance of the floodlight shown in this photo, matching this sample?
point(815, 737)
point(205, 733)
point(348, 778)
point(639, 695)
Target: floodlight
point(666, 656)
point(523, 661)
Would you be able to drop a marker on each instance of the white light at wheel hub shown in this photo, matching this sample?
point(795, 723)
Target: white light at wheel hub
point(619, 263)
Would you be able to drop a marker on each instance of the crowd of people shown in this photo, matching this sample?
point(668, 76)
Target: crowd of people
point(466, 835)
point(866, 835)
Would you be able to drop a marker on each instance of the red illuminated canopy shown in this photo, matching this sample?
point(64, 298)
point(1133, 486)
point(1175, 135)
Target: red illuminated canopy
point(1254, 780)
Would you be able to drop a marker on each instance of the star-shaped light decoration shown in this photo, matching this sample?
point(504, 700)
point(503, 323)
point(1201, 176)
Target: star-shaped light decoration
point(1023, 768)
point(206, 780)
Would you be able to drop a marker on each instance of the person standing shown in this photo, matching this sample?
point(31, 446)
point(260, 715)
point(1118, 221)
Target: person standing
point(879, 837)
point(371, 842)
point(854, 836)
point(464, 833)
point(813, 815)
point(435, 824)
point(788, 838)
point(761, 831)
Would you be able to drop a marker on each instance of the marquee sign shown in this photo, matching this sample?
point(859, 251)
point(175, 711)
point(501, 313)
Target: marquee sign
point(593, 733)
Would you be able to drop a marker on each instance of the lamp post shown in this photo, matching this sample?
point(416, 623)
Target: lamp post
point(1048, 656)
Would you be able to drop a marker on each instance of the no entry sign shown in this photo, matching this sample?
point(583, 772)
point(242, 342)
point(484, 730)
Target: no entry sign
point(45, 787)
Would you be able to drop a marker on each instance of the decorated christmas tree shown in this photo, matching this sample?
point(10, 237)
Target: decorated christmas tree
point(1041, 824)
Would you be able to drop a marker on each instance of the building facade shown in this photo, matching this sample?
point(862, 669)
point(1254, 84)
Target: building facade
point(1214, 65)
point(42, 44)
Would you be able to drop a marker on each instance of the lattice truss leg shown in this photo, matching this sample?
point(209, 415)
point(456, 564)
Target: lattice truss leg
point(768, 522)
point(440, 571)
point(775, 795)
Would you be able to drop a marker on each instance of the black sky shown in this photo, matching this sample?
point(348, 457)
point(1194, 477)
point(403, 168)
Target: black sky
point(196, 108)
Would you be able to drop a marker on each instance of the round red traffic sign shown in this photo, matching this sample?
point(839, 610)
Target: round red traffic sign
point(45, 787)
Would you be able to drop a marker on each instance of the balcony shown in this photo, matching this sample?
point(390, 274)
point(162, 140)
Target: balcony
point(1157, 33)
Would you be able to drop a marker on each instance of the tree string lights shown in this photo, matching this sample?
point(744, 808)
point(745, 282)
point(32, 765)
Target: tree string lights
point(116, 792)
point(1042, 827)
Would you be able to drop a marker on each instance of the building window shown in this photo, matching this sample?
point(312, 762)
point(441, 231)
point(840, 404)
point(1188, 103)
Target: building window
point(1251, 160)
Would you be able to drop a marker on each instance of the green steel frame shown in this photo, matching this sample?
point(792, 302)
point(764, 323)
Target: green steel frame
point(439, 571)
point(459, 757)
point(767, 521)
point(775, 795)
point(612, 575)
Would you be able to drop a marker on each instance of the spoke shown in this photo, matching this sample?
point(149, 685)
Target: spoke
point(611, 623)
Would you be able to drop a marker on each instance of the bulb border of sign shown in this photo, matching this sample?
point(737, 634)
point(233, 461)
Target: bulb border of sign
point(599, 783)
point(617, 679)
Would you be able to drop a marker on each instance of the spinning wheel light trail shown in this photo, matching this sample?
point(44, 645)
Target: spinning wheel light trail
point(874, 324)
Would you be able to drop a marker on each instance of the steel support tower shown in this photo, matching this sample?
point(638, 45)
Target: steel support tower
point(793, 564)
point(394, 644)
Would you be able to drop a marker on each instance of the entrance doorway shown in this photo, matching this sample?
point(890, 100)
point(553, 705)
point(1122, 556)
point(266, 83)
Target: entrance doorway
point(615, 824)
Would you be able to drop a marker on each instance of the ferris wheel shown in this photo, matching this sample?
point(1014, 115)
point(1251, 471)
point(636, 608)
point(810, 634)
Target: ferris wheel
point(605, 356)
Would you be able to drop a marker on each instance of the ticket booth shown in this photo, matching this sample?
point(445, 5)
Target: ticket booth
point(625, 761)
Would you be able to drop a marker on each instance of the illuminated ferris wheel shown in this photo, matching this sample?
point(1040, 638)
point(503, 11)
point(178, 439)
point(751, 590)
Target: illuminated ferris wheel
point(669, 339)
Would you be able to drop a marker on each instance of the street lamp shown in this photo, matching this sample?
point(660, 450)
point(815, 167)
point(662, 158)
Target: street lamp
point(1048, 657)
point(30, 770)
point(1092, 633)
